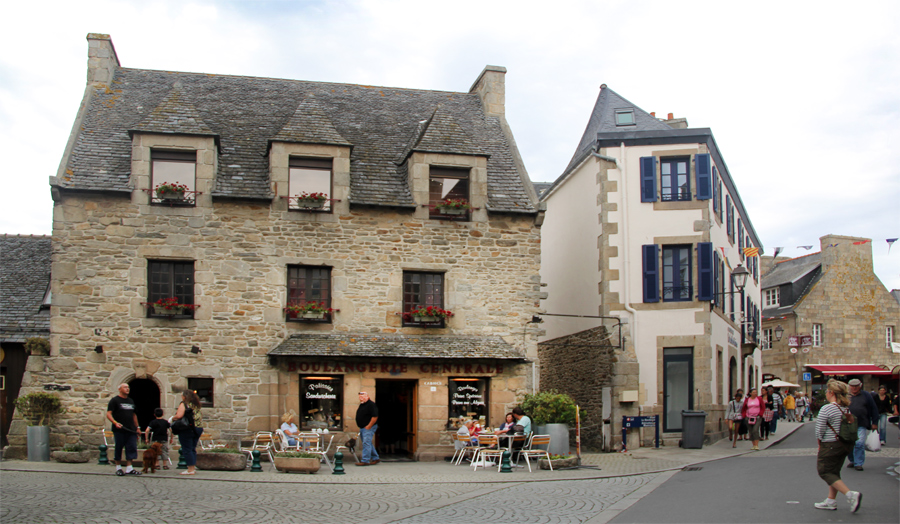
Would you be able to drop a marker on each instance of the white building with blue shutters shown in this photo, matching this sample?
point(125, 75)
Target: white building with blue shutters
point(644, 227)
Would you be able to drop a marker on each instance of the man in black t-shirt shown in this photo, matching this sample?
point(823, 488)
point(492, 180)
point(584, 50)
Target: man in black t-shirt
point(366, 419)
point(120, 412)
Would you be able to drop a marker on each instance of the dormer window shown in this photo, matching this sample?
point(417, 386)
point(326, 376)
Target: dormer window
point(173, 176)
point(448, 195)
point(310, 184)
point(624, 117)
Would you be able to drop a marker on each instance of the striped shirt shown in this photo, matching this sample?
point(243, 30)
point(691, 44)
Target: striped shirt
point(829, 414)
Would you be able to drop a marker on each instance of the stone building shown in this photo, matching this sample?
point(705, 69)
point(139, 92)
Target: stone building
point(24, 311)
point(292, 194)
point(644, 228)
point(834, 312)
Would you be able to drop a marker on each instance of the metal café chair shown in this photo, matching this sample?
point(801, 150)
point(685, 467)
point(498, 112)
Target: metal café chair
point(283, 442)
point(309, 442)
point(207, 442)
point(467, 449)
point(323, 452)
point(531, 451)
point(264, 442)
point(488, 446)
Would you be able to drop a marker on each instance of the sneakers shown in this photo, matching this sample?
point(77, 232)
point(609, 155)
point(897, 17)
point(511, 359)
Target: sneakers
point(854, 498)
point(859, 468)
point(826, 505)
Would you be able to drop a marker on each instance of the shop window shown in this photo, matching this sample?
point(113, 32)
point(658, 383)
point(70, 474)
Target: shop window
point(448, 193)
point(310, 184)
point(170, 279)
point(321, 398)
point(468, 400)
point(204, 389)
point(310, 288)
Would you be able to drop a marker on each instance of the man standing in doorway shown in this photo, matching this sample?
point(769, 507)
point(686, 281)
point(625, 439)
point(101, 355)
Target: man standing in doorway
point(367, 420)
point(120, 412)
point(863, 407)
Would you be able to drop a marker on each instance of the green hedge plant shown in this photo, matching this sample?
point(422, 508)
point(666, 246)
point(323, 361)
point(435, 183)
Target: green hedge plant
point(550, 407)
point(39, 408)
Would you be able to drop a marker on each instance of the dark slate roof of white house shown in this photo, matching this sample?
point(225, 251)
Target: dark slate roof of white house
point(24, 278)
point(381, 124)
point(397, 346)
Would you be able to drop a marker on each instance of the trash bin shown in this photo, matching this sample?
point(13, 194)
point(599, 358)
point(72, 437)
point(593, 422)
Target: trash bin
point(692, 423)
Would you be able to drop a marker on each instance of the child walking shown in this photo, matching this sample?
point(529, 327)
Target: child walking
point(158, 431)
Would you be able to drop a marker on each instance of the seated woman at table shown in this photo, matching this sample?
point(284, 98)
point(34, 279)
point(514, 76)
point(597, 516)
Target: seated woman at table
point(466, 430)
point(506, 427)
point(289, 428)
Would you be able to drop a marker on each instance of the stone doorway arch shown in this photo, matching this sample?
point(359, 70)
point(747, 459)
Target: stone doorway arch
point(146, 395)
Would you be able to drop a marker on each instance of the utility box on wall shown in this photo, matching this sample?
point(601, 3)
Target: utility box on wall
point(629, 396)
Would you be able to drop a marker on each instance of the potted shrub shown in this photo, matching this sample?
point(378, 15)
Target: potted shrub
point(312, 200)
point(171, 306)
point(37, 346)
point(71, 453)
point(558, 461)
point(38, 409)
point(170, 191)
point(288, 461)
point(310, 310)
point(552, 413)
point(222, 459)
point(427, 314)
point(453, 206)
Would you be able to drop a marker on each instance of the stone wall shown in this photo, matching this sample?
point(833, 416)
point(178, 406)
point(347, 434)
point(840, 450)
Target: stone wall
point(101, 246)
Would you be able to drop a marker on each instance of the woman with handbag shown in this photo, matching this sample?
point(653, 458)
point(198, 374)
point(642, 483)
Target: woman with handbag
point(832, 451)
point(751, 412)
point(736, 427)
point(188, 425)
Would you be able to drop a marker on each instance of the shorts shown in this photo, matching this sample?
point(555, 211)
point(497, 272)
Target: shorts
point(830, 460)
point(125, 440)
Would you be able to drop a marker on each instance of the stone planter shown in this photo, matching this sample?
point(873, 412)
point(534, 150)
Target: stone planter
point(222, 461)
point(452, 210)
point(570, 462)
point(71, 457)
point(425, 320)
point(559, 437)
point(38, 443)
point(303, 465)
point(311, 204)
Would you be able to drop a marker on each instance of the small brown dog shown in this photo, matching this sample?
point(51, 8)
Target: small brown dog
point(151, 455)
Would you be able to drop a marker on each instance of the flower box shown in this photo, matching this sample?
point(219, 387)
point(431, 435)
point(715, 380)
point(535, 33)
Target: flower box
point(159, 310)
point(171, 196)
point(314, 315)
point(453, 210)
point(311, 204)
point(302, 465)
point(423, 319)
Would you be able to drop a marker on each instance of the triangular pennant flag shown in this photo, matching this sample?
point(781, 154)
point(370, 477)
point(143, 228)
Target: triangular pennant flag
point(804, 247)
point(777, 250)
point(834, 245)
point(890, 242)
point(861, 242)
point(751, 251)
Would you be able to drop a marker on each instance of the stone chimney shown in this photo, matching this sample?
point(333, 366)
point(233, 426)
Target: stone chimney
point(676, 123)
point(839, 253)
point(491, 87)
point(102, 59)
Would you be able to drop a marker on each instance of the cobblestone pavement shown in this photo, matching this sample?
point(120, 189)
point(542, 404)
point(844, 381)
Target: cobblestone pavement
point(59, 497)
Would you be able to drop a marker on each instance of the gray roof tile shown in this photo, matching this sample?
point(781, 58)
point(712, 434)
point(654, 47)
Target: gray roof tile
point(789, 271)
point(394, 346)
point(24, 277)
point(310, 125)
point(246, 113)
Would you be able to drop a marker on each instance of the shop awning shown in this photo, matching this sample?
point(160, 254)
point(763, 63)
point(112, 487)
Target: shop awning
point(348, 345)
point(850, 369)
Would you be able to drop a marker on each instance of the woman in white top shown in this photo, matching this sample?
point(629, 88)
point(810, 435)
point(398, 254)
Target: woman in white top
point(832, 451)
point(736, 426)
point(289, 428)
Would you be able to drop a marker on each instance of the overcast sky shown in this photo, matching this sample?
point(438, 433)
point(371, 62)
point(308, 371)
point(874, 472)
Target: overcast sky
point(802, 97)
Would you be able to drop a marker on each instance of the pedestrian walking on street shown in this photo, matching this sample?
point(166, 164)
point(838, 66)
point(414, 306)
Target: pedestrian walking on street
point(752, 411)
point(736, 426)
point(777, 408)
point(802, 402)
point(120, 412)
point(765, 415)
point(367, 420)
point(790, 407)
point(883, 401)
point(863, 407)
point(189, 409)
point(832, 451)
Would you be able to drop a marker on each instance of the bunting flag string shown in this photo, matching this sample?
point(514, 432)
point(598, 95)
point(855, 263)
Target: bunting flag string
point(751, 251)
point(780, 249)
point(890, 242)
point(805, 247)
point(861, 242)
point(777, 250)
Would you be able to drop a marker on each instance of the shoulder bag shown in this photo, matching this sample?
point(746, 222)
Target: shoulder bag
point(185, 422)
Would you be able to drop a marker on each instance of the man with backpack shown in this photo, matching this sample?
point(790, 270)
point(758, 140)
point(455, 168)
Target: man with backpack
point(863, 408)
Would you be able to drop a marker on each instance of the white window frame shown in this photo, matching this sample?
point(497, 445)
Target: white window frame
point(767, 339)
point(772, 297)
point(817, 335)
point(888, 336)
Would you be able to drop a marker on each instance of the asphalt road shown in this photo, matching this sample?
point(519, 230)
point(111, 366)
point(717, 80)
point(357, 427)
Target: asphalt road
point(772, 486)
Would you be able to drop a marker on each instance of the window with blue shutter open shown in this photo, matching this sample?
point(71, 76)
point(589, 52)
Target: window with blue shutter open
point(705, 271)
point(703, 168)
point(715, 192)
point(650, 260)
point(648, 179)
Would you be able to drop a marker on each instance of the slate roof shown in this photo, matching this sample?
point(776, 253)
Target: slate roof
point(788, 271)
point(541, 187)
point(396, 346)
point(246, 113)
point(24, 277)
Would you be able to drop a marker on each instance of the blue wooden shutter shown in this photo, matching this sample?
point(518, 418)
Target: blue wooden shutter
point(705, 271)
point(715, 190)
point(650, 256)
point(648, 179)
point(704, 177)
point(716, 263)
point(728, 214)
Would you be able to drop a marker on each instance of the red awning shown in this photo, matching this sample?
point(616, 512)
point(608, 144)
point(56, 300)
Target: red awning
point(850, 369)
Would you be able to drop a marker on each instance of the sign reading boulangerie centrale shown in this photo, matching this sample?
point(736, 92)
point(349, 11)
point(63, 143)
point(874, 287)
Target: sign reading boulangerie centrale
point(395, 368)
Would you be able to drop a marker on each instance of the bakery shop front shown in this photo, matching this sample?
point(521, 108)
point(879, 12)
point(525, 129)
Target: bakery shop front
point(424, 386)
